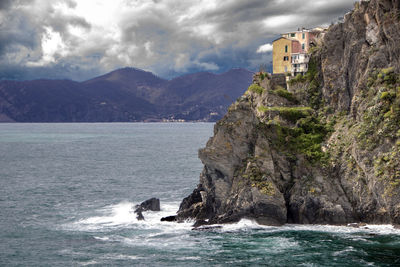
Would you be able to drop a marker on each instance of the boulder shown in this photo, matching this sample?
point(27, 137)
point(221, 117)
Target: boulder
point(152, 204)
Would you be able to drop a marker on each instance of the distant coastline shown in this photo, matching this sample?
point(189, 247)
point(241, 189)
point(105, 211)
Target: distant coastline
point(124, 95)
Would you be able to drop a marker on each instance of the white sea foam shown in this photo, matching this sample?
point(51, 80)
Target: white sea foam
point(247, 224)
point(369, 229)
point(121, 257)
point(122, 215)
point(192, 258)
point(244, 224)
point(344, 251)
point(102, 238)
point(112, 216)
point(92, 262)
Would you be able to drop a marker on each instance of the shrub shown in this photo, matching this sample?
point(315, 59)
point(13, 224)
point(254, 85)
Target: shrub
point(259, 180)
point(312, 92)
point(384, 96)
point(290, 113)
point(298, 79)
point(387, 70)
point(305, 138)
point(256, 89)
point(285, 94)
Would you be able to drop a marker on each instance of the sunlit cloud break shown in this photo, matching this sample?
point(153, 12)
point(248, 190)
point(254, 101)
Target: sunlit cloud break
point(265, 48)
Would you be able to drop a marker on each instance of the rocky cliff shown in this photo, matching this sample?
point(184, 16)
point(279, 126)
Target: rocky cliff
point(326, 151)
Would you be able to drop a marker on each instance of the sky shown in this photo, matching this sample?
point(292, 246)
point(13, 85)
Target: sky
point(81, 39)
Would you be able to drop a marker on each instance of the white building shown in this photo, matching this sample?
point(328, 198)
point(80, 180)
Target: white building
point(299, 63)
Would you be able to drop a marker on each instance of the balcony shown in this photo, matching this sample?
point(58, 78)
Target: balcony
point(300, 58)
point(299, 68)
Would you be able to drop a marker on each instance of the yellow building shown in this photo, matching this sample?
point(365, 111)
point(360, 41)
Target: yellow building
point(290, 51)
point(281, 55)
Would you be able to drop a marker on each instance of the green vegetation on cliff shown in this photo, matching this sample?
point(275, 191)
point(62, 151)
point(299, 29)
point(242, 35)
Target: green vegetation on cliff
point(382, 117)
point(305, 138)
point(290, 113)
point(255, 88)
point(381, 124)
point(309, 131)
point(282, 92)
point(328, 149)
point(258, 178)
point(311, 93)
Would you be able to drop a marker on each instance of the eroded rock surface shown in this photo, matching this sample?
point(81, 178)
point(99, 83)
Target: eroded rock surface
point(152, 204)
point(328, 151)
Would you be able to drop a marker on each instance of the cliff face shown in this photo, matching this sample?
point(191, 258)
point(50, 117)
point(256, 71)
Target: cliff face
point(328, 151)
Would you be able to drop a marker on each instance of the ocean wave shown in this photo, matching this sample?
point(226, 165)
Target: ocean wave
point(122, 215)
point(247, 224)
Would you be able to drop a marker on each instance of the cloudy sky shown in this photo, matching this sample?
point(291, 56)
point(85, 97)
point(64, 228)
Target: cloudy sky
point(79, 39)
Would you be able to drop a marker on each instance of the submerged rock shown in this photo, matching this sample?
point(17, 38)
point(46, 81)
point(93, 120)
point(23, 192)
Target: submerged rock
point(206, 228)
point(171, 218)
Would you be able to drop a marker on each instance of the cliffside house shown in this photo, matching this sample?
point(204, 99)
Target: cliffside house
point(290, 51)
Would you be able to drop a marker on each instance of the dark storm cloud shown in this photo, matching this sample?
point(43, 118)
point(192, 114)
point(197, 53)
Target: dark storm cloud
point(22, 27)
point(332, 9)
point(5, 4)
point(17, 31)
point(168, 37)
point(234, 12)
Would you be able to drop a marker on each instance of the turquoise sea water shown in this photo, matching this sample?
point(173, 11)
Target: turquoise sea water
point(67, 193)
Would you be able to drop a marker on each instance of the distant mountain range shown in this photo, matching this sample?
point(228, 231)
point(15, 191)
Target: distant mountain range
point(123, 95)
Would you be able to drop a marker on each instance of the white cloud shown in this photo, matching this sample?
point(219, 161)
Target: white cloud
point(265, 48)
point(281, 21)
point(181, 62)
point(207, 66)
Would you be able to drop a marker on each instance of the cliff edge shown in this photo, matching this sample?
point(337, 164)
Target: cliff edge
point(328, 150)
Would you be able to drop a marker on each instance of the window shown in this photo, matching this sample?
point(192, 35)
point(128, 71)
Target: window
point(292, 35)
point(285, 58)
point(286, 48)
point(303, 46)
point(285, 68)
point(304, 35)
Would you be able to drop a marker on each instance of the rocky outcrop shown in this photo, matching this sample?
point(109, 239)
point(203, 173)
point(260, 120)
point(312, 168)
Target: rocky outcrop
point(326, 152)
point(152, 204)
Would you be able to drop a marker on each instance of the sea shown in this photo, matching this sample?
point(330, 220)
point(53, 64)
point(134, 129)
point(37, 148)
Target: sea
point(68, 191)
